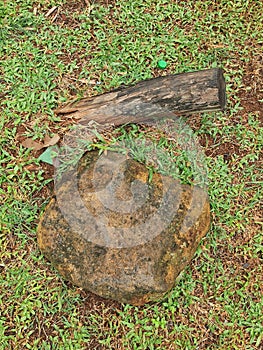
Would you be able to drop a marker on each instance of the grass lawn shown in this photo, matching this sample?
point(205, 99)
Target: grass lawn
point(53, 51)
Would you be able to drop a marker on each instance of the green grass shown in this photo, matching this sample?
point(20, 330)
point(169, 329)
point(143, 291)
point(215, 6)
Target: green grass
point(45, 61)
point(167, 147)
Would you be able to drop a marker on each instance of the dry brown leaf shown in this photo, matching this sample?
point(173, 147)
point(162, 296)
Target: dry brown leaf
point(30, 143)
point(51, 11)
point(56, 15)
point(36, 146)
point(51, 141)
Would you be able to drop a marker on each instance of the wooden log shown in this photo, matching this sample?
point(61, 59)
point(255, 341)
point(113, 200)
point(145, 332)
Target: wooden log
point(180, 94)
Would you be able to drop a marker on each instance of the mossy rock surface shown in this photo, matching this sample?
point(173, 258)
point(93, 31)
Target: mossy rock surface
point(112, 232)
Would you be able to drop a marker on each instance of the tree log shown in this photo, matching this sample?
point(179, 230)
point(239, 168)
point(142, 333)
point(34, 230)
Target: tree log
point(179, 94)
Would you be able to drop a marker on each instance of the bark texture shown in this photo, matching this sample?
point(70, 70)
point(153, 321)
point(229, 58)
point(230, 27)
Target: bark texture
point(168, 96)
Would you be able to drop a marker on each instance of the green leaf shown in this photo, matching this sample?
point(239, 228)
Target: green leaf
point(49, 154)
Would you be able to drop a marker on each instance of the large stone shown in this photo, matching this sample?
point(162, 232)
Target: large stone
point(111, 231)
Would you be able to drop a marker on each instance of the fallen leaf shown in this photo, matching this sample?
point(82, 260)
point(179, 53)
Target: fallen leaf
point(30, 143)
point(51, 141)
point(51, 11)
point(49, 155)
